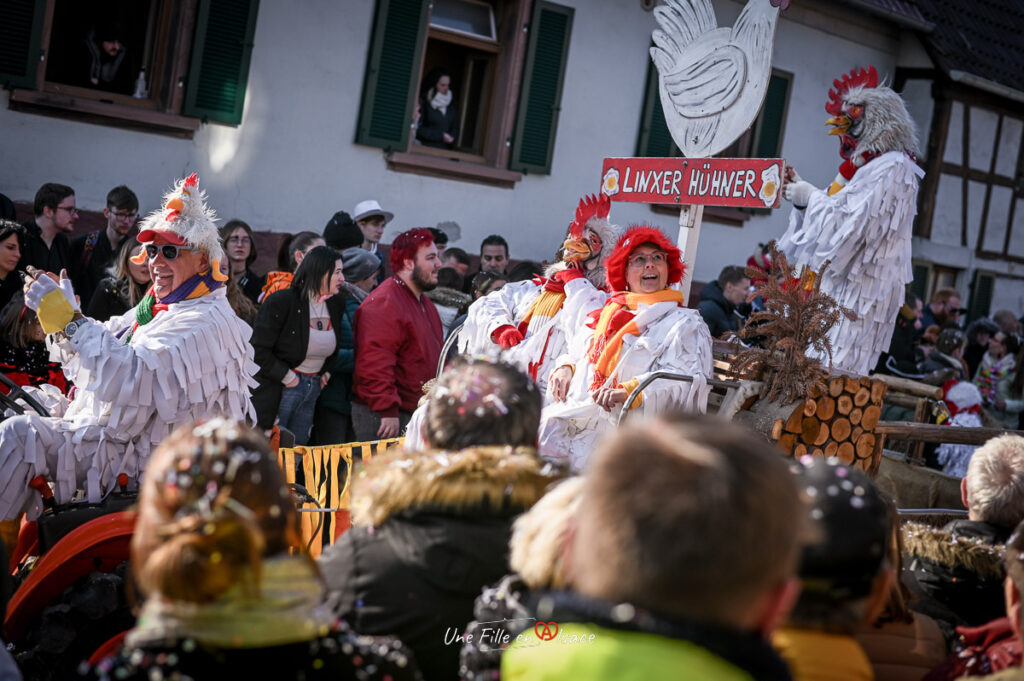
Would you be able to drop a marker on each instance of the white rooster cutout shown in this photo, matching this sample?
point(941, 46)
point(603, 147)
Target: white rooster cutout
point(713, 80)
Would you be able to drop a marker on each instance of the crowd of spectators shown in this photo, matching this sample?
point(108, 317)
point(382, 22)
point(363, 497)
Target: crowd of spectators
point(673, 546)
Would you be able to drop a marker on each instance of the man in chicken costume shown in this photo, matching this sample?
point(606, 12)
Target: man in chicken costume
point(863, 222)
point(520, 317)
point(642, 327)
point(180, 355)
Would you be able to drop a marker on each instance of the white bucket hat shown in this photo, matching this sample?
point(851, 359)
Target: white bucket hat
point(368, 208)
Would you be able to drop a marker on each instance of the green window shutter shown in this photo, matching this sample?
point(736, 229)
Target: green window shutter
point(221, 49)
point(919, 285)
point(654, 138)
point(981, 295)
point(21, 25)
point(541, 95)
point(392, 73)
point(772, 119)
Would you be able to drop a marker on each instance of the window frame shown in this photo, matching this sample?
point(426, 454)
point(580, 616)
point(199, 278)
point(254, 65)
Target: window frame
point(377, 126)
point(178, 63)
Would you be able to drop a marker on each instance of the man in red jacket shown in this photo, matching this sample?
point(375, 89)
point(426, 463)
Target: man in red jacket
point(398, 339)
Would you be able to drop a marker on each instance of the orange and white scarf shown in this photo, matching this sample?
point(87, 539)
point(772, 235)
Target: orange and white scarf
point(613, 323)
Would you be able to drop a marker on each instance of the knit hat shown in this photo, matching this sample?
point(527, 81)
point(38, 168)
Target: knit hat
point(341, 232)
point(358, 264)
point(636, 236)
point(185, 219)
point(841, 563)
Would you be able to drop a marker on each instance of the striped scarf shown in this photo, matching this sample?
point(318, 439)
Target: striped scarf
point(196, 286)
point(613, 323)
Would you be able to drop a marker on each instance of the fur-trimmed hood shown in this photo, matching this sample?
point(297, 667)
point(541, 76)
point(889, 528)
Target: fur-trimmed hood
point(952, 549)
point(448, 297)
point(503, 479)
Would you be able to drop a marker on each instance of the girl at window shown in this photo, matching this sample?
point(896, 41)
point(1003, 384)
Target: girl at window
point(439, 119)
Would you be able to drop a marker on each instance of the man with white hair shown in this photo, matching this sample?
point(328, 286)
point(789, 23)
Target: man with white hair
point(179, 356)
point(956, 570)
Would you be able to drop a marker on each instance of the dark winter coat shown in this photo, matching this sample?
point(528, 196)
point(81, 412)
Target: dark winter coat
point(956, 571)
point(432, 532)
point(901, 358)
point(338, 656)
point(252, 285)
point(337, 394)
point(109, 300)
point(433, 124)
point(90, 255)
point(718, 313)
point(280, 338)
point(500, 613)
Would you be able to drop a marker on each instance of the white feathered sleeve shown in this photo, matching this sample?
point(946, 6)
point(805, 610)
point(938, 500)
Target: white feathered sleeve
point(492, 311)
point(192, 361)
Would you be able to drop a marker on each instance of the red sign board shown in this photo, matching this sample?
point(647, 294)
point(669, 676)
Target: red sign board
point(740, 182)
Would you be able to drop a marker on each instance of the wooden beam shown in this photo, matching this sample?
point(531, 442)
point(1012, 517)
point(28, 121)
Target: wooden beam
point(964, 185)
point(905, 385)
point(933, 165)
point(988, 187)
point(976, 175)
point(1013, 204)
point(927, 432)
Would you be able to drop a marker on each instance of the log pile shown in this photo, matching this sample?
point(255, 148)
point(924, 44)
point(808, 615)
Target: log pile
point(837, 420)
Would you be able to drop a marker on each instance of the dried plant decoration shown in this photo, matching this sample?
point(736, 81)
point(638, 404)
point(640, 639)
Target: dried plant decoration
point(796, 321)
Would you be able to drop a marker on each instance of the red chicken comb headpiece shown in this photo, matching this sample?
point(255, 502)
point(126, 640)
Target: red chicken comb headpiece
point(858, 77)
point(590, 206)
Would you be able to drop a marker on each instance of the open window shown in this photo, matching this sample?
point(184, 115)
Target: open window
point(505, 62)
point(158, 65)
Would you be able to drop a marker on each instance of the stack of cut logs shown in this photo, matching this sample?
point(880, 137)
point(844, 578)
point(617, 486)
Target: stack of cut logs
point(839, 421)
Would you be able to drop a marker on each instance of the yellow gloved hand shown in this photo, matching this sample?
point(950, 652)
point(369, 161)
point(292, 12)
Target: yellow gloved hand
point(54, 304)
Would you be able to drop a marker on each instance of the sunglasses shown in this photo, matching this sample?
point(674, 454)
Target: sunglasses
point(169, 251)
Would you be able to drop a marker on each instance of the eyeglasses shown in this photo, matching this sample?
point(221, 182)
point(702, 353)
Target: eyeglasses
point(170, 251)
point(71, 210)
point(126, 217)
point(239, 240)
point(956, 310)
point(642, 260)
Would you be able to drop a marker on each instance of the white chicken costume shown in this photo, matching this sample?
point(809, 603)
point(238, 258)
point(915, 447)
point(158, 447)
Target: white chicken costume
point(630, 336)
point(526, 311)
point(863, 224)
point(138, 376)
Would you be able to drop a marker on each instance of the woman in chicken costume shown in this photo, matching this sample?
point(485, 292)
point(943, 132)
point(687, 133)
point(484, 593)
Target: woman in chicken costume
point(863, 222)
point(180, 355)
point(520, 318)
point(643, 327)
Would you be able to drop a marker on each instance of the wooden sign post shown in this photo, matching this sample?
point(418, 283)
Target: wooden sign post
point(691, 184)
